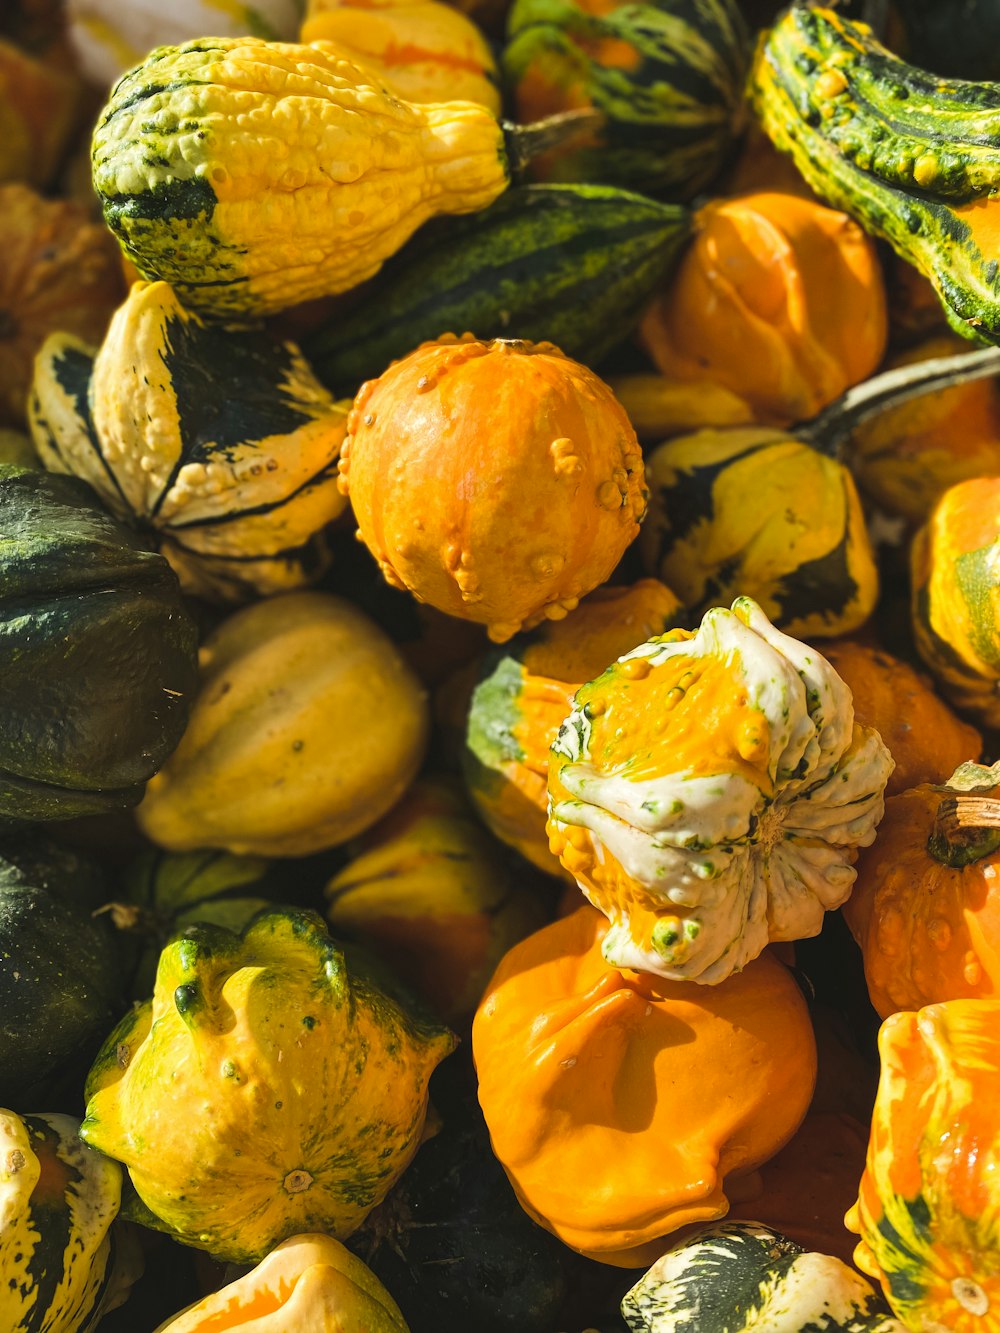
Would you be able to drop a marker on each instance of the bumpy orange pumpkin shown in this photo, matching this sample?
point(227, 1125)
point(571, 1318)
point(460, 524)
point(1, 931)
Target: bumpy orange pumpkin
point(926, 903)
point(927, 1208)
point(623, 1106)
point(925, 738)
point(498, 481)
point(779, 299)
point(60, 272)
point(907, 456)
point(526, 691)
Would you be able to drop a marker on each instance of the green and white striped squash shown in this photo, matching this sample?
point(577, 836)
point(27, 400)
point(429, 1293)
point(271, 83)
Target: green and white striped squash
point(221, 444)
point(733, 1277)
point(58, 1199)
point(568, 264)
point(913, 157)
point(666, 74)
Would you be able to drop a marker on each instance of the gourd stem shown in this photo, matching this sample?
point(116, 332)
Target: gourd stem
point(829, 429)
point(526, 142)
point(966, 828)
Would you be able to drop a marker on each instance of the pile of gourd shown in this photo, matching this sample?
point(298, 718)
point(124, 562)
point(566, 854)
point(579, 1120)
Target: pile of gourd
point(440, 929)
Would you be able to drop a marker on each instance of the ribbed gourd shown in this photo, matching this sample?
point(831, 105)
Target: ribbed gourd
point(311, 1283)
point(927, 1213)
point(425, 51)
point(312, 1079)
point(526, 689)
point(955, 581)
point(97, 653)
point(801, 550)
point(58, 1200)
point(667, 76)
point(623, 1106)
point(924, 907)
point(60, 972)
point(307, 728)
point(39, 108)
point(910, 155)
point(256, 175)
point(568, 264)
point(222, 444)
point(741, 1275)
point(524, 481)
point(709, 793)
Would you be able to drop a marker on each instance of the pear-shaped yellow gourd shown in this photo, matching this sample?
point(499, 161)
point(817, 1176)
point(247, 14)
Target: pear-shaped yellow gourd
point(267, 1089)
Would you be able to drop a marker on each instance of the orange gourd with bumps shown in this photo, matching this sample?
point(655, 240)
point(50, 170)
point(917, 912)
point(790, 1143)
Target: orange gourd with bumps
point(498, 481)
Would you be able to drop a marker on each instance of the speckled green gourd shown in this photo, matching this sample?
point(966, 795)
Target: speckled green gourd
point(97, 653)
point(568, 264)
point(912, 156)
point(311, 1084)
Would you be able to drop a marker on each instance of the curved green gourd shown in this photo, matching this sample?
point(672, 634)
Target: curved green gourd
point(913, 157)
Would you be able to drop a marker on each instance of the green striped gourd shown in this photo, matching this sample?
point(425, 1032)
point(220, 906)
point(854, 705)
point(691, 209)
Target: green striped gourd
point(58, 1199)
point(735, 1276)
point(913, 157)
point(222, 443)
point(568, 264)
point(667, 75)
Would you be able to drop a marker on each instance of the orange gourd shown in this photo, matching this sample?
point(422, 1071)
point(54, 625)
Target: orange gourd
point(927, 1211)
point(526, 691)
point(59, 273)
point(925, 738)
point(778, 299)
point(623, 1106)
point(909, 455)
point(498, 481)
point(39, 104)
point(926, 902)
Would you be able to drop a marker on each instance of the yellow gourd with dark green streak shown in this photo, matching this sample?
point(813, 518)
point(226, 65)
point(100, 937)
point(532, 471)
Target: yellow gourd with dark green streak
point(255, 175)
point(268, 1088)
point(912, 156)
point(758, 512)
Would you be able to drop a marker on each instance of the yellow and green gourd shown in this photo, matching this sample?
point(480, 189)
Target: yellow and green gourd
point(709, 793)
point(256, 175)
point(220, 443)
point(58, 1199)
point(310, 1085)
point(912, 156)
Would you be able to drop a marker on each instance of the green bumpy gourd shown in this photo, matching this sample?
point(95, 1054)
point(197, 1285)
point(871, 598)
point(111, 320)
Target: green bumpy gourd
point(98, 660)
point(913, 157)
point(268, 1089)
point(568, 264)
point(667, 76)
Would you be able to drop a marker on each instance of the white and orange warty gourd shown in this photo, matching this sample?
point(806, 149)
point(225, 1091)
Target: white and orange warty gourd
point(709, 792)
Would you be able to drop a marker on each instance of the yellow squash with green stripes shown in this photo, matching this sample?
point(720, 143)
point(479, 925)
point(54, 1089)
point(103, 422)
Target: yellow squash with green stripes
point(956, 596)
point(915, 158)
point(255, 175)
point(221, 443)
point(269, 1088)
point(755, 511)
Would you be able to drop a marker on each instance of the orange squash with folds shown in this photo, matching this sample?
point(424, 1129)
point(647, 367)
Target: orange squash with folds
point(623, 1106)
point(925, 738)
point(778, 299)
point(498, 481)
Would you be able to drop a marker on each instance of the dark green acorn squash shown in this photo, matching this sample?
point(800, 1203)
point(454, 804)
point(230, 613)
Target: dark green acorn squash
point(960, 42)
point(732, 1276)
point(60, 974)
point(913, 157)
point(98, 660)
point(666, 74)
point(568, 264)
